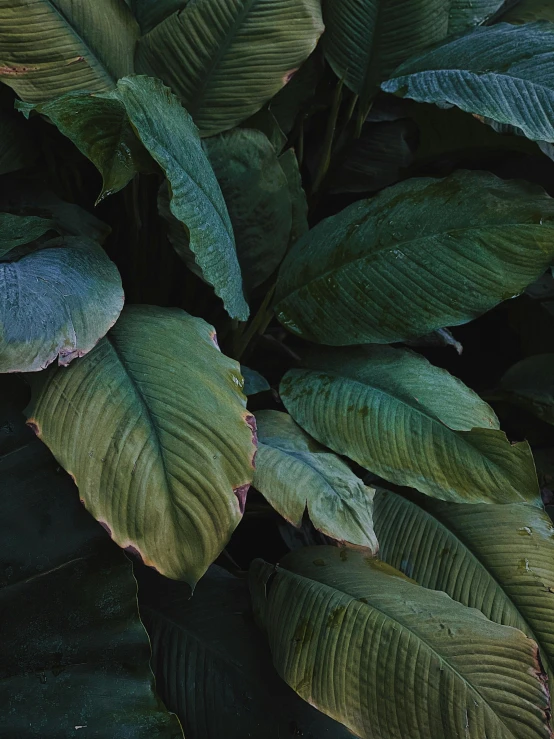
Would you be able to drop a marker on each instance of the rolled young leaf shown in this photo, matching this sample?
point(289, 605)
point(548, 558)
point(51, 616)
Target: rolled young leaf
point(508, 575)
point(294, 473)
point(226, 58)
point(56, 301)
point(391, 659)
point(421, 255)
point(107, 129)
point(411, 423)
point(154, 429)
point(503, 72)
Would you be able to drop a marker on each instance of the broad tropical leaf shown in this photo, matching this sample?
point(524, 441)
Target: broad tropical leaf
point(74, 656)
point(422, 255)
point(256, 192)
point(366, 40)
point(19, 230)
point(254, 383)
point(391, 659)
point(503, 72)
point(411, 423)
point(508, 575)
point(294, 473)
point(154, 429)
point(226, 58)
point(213, 667)
point(56, 301)
point(103, 126)
point(530, 384)
point(50, 47)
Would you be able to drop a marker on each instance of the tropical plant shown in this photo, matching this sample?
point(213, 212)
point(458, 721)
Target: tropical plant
point(276, 369)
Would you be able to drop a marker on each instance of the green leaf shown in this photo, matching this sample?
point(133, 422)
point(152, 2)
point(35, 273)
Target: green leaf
point(530, 384)
point(226, 58)
point(103, 127)
point(56, 301)
point(366, 40)
point(411, 423)
point(151, 12)
point(256, 192)
point(19, 230)
point(254, 383)
point(155, 431)
point(509, 575)
point(214, 669)
point(373, 272)
point(289, 165)
point(17, 148)
point(502, 72)
point(50, 47)
point(265, 121)
point(294, 473)
point(527, 11)
point(298, 93)
point(74, 654)
point(391, 659)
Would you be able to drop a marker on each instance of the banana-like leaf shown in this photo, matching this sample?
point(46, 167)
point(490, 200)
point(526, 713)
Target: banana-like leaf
point(103, 127)
point(226, 58)
point(530, 384)
point(391, 659)
point(213, 667)
point(527, 11)
point(411, 423)
point(56, 301)
point(256, 192)
point(154, 429)
point(503, 72)
point(74, 656)
point(366, 40)
point(50, 47)
point(19, 230)
point(254, 383)
point(499, 559)
point(422, 255)
point(294, 473)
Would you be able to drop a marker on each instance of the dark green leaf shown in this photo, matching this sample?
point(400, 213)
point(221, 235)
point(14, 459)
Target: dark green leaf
point(18, 230)
point(253, 382)
point(530, 384)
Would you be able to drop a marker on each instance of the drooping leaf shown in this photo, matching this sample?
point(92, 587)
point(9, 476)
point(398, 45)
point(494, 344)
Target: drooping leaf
point(422, 255)
point(74, 656)
point(411, 423)
point(214, 669)
point(503, 72)
point(528, 11)
point(103, 126)
point(256, 192)
point(17, 150)
point(155, 431)
point(530, 384)
point(18, 230)
point(391, 659)
point(499, 559)
point(226, 58)
point(50, 47)
point(294, 473)
point(253, 382)
point(366, 40)
point(56, 302)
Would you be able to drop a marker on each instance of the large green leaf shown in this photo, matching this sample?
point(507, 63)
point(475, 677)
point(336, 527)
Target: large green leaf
point(56, 301)
point(74, 657)
point(411, 423)
point(256, 192)
point(213, 667)
point(503, 72)
point(294, 473)
point(508, 575)
point(391, 659)
point(530, 384)
point(422, 255)
point(154, 429)
point(289, 165)
point(103, 126)
point(366, 40)
point(226, 58)
point(151, 12)
point(18, 230)
point(50, 47)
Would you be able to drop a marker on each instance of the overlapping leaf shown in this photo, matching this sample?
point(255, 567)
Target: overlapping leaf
point(294, 473)
point(391, 659)
point(422, 255)
point(154, 429)
point(530, 384)
point(411, 423)
point(226, 58)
